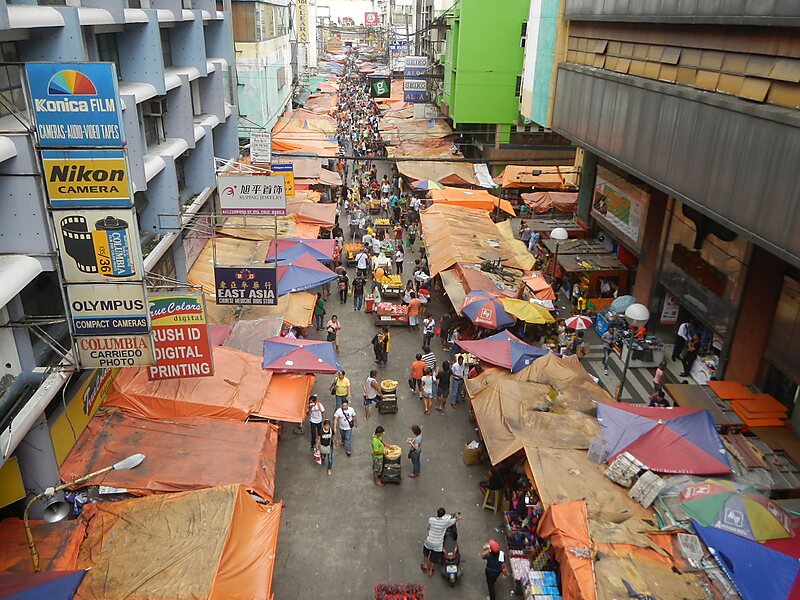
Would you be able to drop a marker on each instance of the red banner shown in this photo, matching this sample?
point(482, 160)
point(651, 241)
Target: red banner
point(180, 334)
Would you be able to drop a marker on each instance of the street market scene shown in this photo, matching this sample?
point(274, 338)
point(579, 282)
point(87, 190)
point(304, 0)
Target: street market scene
point(400, 299)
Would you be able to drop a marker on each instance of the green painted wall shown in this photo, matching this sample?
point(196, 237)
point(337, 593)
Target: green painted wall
point(484, 59)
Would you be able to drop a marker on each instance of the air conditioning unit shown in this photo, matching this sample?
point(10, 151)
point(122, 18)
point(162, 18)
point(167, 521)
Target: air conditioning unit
point(155, 108)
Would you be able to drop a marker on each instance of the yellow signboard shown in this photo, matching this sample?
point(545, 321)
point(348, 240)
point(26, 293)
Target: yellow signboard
point(86, 178)
point(288, 178)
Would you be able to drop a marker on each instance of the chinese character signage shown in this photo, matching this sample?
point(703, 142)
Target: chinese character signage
point(302, 21)
point(371, 19)
point(180, 337)
point(248, 286)
point(75, 105)
point(86, 178)
point(258, 195)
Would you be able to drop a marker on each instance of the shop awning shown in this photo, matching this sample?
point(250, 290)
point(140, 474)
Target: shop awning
point(181, 453)
point(446, 173)
point(565, 526)
point(453, 288)
point(524, 176)
point(542, 202)
point(287, 397)
point(480, 199)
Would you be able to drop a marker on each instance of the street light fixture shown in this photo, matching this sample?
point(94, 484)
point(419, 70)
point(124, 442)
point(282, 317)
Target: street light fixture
point(59, 510)
point(559, 234)
point(636, 315)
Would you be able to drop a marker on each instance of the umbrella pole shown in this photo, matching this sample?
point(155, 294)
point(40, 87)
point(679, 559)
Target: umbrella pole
point(625, 369)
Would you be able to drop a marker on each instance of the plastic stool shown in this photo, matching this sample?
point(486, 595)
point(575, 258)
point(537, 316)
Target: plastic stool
point(491, 500)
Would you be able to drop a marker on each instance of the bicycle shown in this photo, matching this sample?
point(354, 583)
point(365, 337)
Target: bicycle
point(506, 273)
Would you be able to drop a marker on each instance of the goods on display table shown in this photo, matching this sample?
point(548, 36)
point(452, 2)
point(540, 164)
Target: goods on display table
point(388, 404)
point(391, 286)
point(350, 251)
point(374, 206)
point(469, 359)
point(704, 368)
point(387, 249)
point(381, 260)
point(382, 225)
point(392, 464)
point(647, 353)
point(389, 314)
point(398, 591)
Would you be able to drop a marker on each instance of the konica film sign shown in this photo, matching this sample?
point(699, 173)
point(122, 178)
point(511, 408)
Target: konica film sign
point(86, 178)
point(98, 246)
point(108, 309)
point(75, 105)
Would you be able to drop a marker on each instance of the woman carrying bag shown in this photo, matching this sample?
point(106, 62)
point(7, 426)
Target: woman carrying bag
point(325, 443)
point(415, 450)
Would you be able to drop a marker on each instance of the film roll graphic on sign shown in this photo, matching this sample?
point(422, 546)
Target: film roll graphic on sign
point(98, 245)
point(180, 335)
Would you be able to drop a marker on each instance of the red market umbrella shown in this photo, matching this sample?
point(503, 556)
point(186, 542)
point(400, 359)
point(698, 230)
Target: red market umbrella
point(485, 311)
point(578, 322)
point(503, 349)
point(289, 248)
point(287, 355)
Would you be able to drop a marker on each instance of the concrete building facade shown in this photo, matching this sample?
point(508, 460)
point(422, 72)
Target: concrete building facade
point(174, 62)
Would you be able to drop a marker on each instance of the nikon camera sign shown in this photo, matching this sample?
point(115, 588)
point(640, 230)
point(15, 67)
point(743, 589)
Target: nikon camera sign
point(86, 178)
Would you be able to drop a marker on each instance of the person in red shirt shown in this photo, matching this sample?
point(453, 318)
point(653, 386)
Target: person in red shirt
point(415, 375)
point(413, 311)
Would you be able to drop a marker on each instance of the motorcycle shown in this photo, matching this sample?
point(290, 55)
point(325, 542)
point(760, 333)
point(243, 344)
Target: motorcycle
point(451, 567)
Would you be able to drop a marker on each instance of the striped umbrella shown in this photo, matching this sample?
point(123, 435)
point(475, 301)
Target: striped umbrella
point(578, 322)
point(427, 185)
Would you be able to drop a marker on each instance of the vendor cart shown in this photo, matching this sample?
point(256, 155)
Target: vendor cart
point(390, 314)
point(350, 251)
point(374, 206)
point(388, 404)
point(391, 286)
point(382, 226)
point(392, 465)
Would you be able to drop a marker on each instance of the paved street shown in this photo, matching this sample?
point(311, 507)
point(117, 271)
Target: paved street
point(341, 534)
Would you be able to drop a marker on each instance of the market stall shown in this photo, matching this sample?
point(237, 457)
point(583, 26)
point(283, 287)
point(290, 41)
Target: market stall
point(588, 271)
point(647, 353)
point(382, 226)
point(701, 396)
point(391, 286)
point(544, 225)
point(390, 314)
point(350, 251)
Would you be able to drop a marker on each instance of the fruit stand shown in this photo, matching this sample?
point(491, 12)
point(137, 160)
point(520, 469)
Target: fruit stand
point(391, 286)
point(382, 226)
point(350, 251)
point(374, 206)
point(390, 314)
point(398, 591)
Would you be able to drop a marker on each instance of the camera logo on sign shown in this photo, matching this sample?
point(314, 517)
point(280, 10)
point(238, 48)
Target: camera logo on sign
point(71, 83)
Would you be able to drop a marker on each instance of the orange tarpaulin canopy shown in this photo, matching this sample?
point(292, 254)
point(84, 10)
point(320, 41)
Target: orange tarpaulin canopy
point(480, 199)
point(539, 286)
point(542, 202)
point(565, 526)
point(524, 176)
point(323, 215)
point(182, 454)
point(287, 397)
point(216, 543)
point(235, 391)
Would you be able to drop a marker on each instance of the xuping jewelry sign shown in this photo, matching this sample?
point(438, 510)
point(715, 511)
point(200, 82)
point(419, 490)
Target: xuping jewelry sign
point(252, 195)
point(180, 333)
point(82, 147)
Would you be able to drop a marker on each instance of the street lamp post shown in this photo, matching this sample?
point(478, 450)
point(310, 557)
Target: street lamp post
point(636, 315)
point(134, 460)
point(559, 234)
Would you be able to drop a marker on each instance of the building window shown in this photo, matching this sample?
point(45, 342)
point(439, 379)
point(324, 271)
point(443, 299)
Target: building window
point(281, 75)
point(194, 90)
point(10, 80)
point(134, 3)
point(523, 34)
point(107, 49)
point(180, 174)
point(518, 86)
point(153, 130)
point(166, 49)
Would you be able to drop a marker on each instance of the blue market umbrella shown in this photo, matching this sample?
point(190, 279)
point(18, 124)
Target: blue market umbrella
point(620, 304)
point(53, 585)
point(302, 273)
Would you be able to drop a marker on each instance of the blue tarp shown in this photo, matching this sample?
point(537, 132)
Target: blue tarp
point(758, 572)
point(53, 585)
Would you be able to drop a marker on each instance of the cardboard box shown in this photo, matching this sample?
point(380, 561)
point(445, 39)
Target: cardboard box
point(472, 457)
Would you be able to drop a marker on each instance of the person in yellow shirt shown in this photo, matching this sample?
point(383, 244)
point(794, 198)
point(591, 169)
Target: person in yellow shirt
point(377, 277)
point(341, 388)
point(581, 303)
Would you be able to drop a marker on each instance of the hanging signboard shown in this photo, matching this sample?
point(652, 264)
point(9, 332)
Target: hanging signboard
point(180, 337)
point(261, 147)
point(287, 170)
point(415, 90)
point(108, 309)
point(249, 286)
point(75, 104)
point(257, 195)
point(670, 310)
point(380, 86)
point(86, 178)
point(98, 245)
point(302, 21)
point(371, 19)
point(415, 66)
point(114, 351)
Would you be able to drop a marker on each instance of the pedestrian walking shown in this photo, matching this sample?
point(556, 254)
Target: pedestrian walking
point(658, 377)
point(690, 354)
point(333, 327)
point(343, 284)
point(358, 291)
point(377, 278)
point(434, 541)
point(415, 450)
point(427, 389)
point(452, 340)
point(362, 261)
point(319, 313)
point(413, 311)
point(315, 412)
point(683, 336)
point(408, 291)
point(608, 346)
point(443, 385)
point(412, 235)
point(344, 421)
point(495, 566)
point(399, 257)
point(459, 371)
point(416, 371)
point(325, 443)
point(380, 344)
point(429, 358)
point(378, 452)
point(340, 387)
point(444, 329)
point(428, 327)
point(372, 392)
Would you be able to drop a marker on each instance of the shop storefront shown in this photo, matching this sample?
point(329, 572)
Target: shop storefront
point(702, 273)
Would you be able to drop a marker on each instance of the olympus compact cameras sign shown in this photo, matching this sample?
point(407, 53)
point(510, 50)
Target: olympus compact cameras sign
point(256, 195)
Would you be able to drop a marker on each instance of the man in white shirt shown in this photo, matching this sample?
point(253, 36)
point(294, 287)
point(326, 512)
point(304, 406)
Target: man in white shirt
point(362, 262)
point(366, 240)
point(434, 541)
point(316, 414)
point(344, 420)
point(683, 336)
point(458, 372)
point(376, 246)
point(372, 392)
point(415, 204)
